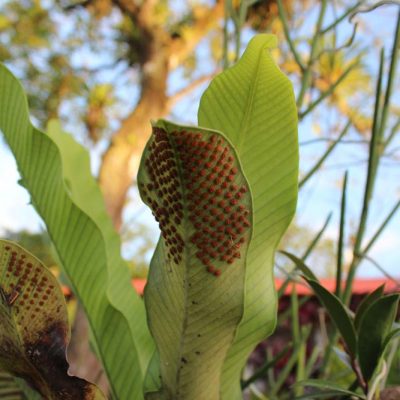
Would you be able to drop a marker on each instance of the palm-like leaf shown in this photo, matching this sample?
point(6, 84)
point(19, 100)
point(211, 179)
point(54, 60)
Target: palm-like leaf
point(56, 172)
point(253, 104)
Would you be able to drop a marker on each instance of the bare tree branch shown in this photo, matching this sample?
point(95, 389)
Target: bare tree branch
point(73, 6)
point(127, 6)
point(180, 94)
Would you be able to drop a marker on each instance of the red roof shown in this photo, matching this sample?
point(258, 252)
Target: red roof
point(360, 286)
point(139, 285)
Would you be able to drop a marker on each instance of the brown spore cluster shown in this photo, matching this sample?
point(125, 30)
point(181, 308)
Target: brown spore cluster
point(26, 287)
point(163, 193)
point(208, 189)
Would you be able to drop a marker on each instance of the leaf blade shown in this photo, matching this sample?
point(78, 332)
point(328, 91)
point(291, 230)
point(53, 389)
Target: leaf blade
point(338, 315)
point(80, 243)
point(367, 301)
point(253, 104)
point(375, 327)
point(34, 331)
point(301, 265)
point(191, 179)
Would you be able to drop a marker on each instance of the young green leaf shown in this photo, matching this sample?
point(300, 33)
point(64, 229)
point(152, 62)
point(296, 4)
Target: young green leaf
point(34, 329)
point(301, 265)
point(338, 314)
point(253, 104)
point(56, 172)
point(85, 192)
point(367, 301)
point(375, 328)
point(193, 182)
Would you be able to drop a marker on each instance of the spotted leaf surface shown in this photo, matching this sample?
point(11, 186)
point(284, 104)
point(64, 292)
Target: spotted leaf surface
point(253, 104)
point(193, 182)
point(34, 329)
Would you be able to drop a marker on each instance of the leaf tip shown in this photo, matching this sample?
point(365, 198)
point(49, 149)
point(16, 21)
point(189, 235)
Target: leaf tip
point(265, 40)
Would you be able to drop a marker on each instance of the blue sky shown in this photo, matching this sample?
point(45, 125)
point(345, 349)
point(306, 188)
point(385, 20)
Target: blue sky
point(320, 195)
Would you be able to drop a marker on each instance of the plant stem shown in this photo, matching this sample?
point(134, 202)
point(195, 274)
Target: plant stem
point(381, 269)
point(312, 359)
point(225, 63)
point(337, 21)
point(306, 254)
point(238, 35)
point(391, 78)
point(328, 151)
point(369, 186)
point(238, 20)
point(316, 239)
point(390, 358)
point(300, 368)
point(285, 284)
point(328, 92)
point(305, 81)
point(282, 16)
point(339, 265)
point(294, 312)
point(381, 228)
point(333, 338)
point(284, 315)
point(360, 379)
point(392, 133)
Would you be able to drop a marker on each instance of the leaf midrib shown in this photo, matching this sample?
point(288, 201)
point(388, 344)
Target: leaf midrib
point(244, 123)
point(185, 258)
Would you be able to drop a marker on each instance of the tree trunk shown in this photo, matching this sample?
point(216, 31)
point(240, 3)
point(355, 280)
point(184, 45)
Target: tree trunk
point(159, 54)
point(121, 160)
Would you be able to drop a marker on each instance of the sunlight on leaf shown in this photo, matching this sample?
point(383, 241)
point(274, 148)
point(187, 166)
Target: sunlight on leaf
point(253, 104)
point(193, 182)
